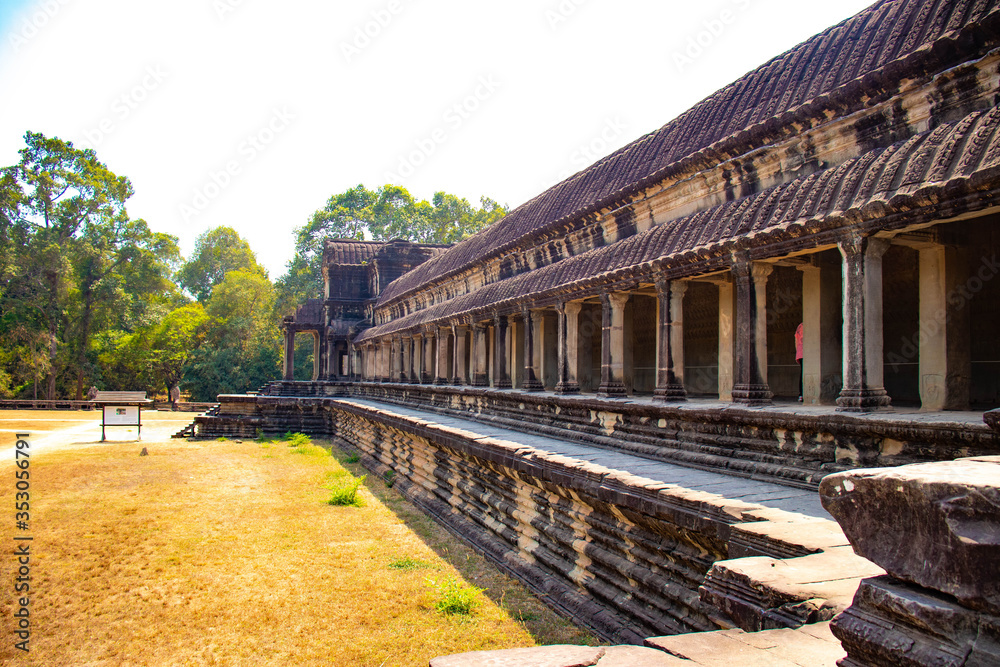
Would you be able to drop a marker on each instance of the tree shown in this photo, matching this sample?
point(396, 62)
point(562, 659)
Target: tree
point(70, 257)
point(242, 344)
point(388, 213)
point(216, 252)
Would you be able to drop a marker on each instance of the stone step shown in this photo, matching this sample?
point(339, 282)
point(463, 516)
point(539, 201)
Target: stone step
point(808, 646)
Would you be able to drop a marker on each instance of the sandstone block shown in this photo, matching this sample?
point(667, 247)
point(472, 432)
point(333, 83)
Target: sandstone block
point(895, 623)
point(563, 656)
point(933, 524)
point(992, 419)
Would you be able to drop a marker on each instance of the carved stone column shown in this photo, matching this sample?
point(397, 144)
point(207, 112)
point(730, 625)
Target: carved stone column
point(418, 358)
point(944, 361)
point(501, 378)
point(821, 362)
point(531, 382)
point(288, 364)
point(613, 345)
point(750, 383)
point(406, 364)
point(864, 385)
point(479, 377)
point(568, 335)
point(461, 373)
point(538, 335)
point(427, 366)
point(670, 341)
point(441, 377)
point(384, 361)
point(399, 361)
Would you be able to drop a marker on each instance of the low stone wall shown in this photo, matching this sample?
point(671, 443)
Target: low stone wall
point(790, 448)
point(624, 555)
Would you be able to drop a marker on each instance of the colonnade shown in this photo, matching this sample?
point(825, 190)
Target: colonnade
point(838, 298)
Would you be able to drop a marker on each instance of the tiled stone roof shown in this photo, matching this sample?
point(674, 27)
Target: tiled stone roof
point(948, 170)
point(871, 50)
point(343, 251)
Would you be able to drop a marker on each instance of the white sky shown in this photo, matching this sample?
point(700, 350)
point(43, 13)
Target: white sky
point(297, 107)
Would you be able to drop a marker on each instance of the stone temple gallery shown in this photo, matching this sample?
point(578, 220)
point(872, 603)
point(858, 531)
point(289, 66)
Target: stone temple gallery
point(733, 387)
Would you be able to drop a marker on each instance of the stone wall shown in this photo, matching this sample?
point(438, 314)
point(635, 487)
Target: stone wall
point(794, 448)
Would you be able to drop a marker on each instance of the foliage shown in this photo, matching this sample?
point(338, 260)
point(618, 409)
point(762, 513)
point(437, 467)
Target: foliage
point(345, 493)
point(241, 350)
point(91, 296)
point(455, 597)
point(387, 213)
point(352, 458)
point(408, 563)
point(297, 439)
point(73, 264)
point(217, 252)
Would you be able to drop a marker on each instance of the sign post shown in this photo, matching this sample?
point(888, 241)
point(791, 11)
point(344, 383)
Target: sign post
point(121, 408)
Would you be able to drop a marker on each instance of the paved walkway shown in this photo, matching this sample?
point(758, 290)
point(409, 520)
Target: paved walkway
point(763, 493)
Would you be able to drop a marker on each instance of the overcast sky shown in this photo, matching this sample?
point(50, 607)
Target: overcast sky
point(251, 113)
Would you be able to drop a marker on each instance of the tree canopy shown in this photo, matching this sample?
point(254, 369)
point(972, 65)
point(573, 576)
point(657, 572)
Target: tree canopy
point(216, 252)
point(388, 213)
point(90, 295)
point(73, 260)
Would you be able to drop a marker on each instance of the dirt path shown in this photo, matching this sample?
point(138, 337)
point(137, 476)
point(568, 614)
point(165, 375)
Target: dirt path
point(227, 553)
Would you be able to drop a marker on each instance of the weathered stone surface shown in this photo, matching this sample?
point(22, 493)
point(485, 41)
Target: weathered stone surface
point(895, 623)
point(808, 646)
point(546, 656)
point(793, 537)
point(564, 656)
point(934, 524)
point(764, 593)
point(992, 419)
point(637, 656)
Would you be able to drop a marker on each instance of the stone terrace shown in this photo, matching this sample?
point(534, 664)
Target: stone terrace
point(631, 546)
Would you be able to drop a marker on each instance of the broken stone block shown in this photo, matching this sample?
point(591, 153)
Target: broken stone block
point(992, 419)
point(933, 524)
point(896, 623)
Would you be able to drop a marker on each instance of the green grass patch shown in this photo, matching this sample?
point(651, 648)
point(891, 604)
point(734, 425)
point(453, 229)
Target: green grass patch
point(390, 478)
point(345, 492)
point(297, 439)
point(455, 598)
point(352, 458)
point(408, 563)
point(312, 450)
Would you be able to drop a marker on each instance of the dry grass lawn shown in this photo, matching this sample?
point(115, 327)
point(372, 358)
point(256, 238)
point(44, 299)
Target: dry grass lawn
point(227, 553)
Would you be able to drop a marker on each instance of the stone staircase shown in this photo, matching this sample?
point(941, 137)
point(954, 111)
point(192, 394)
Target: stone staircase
point(191, 430)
